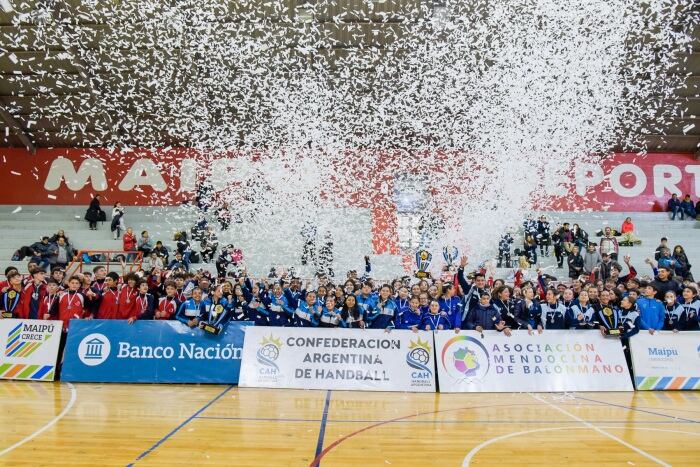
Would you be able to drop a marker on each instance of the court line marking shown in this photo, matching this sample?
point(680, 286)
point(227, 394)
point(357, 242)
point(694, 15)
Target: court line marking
point(66, 409)
point(504, 422)
point(476, 449)
point(181, 425)
point(322, 429)
point(637, 409)
point(315, 462)
point(599, 430)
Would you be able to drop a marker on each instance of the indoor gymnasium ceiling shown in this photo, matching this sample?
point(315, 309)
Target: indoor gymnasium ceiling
point(82, 62)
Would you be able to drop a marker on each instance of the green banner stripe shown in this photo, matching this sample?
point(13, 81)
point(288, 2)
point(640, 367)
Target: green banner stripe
point(48, 376)
point(4, 367)
point(31, 351)
point(28, 371)
point(14, 334)
point(649, 382)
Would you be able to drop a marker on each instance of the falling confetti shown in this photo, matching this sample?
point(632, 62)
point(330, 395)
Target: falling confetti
point(486, 105)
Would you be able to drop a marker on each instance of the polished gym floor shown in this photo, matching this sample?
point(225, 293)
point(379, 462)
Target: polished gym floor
point(113, 424)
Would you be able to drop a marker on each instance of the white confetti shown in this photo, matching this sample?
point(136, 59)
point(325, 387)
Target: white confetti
point(17, 209)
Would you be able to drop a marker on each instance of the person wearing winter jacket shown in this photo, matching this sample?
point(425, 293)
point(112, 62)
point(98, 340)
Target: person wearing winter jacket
point(591, 259)
point(687, 208)
point(117, 225)
point(145, 243)
point(651, 310)
point(608, 244)
point(674, 207)
point(575, 262)
point(129, 243)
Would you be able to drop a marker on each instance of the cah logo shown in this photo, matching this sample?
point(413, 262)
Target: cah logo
point(418, 358)
point(24, 339)
point(465, 358)
point(267, 355)
point(94, 349)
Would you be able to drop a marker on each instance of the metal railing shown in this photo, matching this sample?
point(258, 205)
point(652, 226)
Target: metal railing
point(128, 261)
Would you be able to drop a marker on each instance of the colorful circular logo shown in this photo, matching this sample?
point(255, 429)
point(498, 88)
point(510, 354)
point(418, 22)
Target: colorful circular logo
point(464, 357)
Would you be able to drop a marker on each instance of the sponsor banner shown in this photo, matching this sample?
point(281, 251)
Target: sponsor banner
point(29, 348)
point(345, 359)
point(549, 362)
point(665, 360)
point(151, 352)
point(621, 182)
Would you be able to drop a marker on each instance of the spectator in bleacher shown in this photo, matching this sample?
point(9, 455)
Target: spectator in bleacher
point(606, 266)
point(544, 238)
point(663, 244)
point(628, 236)
point(59, 234)
point(579, 237)
point(179, 262)
point(697, 207)
point(209, 244)
point(94, 213)
point(40, 251)
point(591, 259)
point(118, 223)
point(608, 244)
point(183, 247)
point(666, 260)
point(152, 261)
point(687, 208)
point(575, 262)
point(558, 248)
point(567, 238)
point(530, 247)
point(682, 266)
point(162, 251)
point(223, 215)
point(674, 207)
point(129, 243)
point(145, 243)
point(60, 254)
point(199, 229)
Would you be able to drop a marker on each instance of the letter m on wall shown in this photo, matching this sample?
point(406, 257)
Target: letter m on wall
point(63, 170)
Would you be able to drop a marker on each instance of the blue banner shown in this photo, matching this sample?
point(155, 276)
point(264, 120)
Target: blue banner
point(151, 352)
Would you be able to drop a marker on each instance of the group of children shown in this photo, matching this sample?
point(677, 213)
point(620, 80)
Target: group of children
point(467, 302)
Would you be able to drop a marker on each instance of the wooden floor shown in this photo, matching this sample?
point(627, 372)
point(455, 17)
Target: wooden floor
point(111, 424)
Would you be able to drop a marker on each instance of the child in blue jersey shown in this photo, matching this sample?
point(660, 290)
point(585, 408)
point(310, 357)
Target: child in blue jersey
point(676, 318)
point(386, 311)
point(485, 317)
point(452, 306)
point(651, 310)
point(307, 312)
point(255, 306)
point(351, 315)
point(368, 302)
point(582, 312)
point(410, 317)
point(402, 298)
point(191, 309)
point(434, 320)
point(330, 317)
point(553, 312)
point(691, 305)
point(528, 311)
point(216, 310)
point(280, 312)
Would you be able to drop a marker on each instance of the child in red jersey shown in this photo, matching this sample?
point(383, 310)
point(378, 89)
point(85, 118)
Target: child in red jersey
point(109, 298)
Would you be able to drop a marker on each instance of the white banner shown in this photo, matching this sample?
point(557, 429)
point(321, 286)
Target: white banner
point(666, 360)
point(29, 348)
point(549, 362)
point(346, 359)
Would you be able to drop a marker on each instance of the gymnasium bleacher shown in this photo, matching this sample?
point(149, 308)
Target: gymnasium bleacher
point(32, 222)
